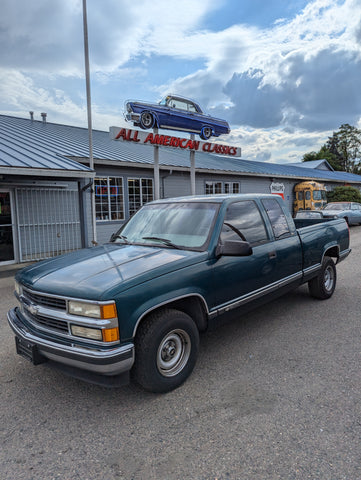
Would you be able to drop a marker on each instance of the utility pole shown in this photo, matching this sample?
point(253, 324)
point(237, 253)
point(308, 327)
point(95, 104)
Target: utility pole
point(90, 128)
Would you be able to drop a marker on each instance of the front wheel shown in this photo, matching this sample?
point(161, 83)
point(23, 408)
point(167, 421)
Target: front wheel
point(166, 350)
point(323, 286)
point(146, 120)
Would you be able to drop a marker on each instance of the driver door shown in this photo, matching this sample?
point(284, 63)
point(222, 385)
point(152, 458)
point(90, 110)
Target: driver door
point(235, 277)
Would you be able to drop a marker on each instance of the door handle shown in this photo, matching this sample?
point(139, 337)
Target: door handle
point(272, 255)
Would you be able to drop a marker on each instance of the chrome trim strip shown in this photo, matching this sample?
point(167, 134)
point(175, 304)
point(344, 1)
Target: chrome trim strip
point(312, 269)
point(255, 294)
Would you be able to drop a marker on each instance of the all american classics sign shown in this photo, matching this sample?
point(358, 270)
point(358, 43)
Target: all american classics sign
point(155, 139)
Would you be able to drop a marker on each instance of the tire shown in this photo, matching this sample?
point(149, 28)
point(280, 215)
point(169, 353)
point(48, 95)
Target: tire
point(206, 133)
point(166, 350)
point(323, 286)
point(146, 120)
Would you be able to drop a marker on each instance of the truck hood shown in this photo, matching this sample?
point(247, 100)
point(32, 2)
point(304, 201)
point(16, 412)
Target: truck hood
point(91, 273)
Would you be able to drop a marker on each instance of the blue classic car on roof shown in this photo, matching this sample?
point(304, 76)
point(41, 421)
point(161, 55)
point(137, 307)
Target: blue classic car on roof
point(175, 113)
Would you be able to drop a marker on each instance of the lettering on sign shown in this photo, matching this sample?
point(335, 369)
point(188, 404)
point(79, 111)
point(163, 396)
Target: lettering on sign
point(278, 189)
point(137, 136)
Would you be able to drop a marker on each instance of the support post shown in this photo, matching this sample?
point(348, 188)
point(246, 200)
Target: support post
point(156, 169)
point(192, 156)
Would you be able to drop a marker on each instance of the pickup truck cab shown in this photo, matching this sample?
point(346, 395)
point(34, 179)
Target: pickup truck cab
point(138, 303)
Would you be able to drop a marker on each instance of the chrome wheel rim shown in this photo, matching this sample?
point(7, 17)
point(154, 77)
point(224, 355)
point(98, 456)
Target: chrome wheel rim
point(147, 119)
point(173, 353)
point(329, 278)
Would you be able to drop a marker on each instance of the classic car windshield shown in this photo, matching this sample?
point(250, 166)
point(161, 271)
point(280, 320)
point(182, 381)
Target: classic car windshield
point(185, 225)
point(337, 206)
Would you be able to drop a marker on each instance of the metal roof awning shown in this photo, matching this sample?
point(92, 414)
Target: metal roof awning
point(23, 153)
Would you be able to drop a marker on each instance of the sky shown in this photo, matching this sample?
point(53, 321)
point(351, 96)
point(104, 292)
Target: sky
point(285, 74)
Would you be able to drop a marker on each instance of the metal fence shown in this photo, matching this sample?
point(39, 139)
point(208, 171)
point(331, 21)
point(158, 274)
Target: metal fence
point(48, 222)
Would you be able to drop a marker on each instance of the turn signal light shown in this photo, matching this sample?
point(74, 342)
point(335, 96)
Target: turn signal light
point(110, 334)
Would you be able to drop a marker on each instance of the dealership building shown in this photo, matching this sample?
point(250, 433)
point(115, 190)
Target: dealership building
point(46, 180)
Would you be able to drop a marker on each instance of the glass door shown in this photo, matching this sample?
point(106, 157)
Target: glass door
point(6, 229)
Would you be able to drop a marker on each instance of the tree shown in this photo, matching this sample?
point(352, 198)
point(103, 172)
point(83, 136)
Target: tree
point(342, 150)
point(344, 194)
point(323, 154)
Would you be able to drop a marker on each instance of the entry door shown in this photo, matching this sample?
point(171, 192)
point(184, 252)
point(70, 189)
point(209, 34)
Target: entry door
point(6, 229)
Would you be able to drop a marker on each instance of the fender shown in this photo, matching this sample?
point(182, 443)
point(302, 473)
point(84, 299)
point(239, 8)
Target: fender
point(161, 301)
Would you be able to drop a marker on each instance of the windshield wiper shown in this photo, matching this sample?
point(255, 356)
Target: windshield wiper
point(122, 237)
point(166, 242)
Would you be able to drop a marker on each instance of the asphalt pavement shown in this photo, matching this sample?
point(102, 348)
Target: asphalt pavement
point(274, 395)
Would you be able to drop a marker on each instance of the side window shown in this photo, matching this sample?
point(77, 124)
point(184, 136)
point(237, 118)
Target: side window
point(277, 218)
point(245, 218)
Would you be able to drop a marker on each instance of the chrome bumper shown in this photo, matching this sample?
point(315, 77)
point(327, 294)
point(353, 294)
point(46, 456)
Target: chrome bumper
point(102, 362)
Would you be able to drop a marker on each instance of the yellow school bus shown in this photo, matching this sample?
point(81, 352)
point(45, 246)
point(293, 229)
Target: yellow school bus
point(309, 196)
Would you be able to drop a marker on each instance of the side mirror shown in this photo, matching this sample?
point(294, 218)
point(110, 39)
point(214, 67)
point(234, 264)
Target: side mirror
point(234, 248)
point(113, 237)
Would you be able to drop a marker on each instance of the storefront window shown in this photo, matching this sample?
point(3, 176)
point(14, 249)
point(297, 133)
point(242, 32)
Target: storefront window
point(140, 192)
point(109, 201)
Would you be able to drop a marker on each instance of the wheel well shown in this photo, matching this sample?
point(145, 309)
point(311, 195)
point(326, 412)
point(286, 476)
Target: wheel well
point(332, 252)
point(192, 306)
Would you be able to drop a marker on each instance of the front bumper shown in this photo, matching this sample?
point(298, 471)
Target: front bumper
point(98, 361)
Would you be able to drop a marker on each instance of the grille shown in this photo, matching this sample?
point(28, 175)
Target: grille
point(44, 300)
point(52, 323)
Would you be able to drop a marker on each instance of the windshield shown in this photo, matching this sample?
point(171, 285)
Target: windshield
point(184, 225)
point(337, 206)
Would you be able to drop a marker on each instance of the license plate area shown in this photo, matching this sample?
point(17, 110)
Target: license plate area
point(29, 351)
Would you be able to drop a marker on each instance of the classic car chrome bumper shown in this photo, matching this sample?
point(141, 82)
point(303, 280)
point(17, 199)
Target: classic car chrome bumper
point(96, 360)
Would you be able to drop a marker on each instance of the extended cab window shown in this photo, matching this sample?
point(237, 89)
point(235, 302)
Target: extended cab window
point(277, 218)
point(243, 221)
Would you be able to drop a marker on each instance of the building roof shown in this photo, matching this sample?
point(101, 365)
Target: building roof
point(26, 143)
point(320, 164)
point(25, 148)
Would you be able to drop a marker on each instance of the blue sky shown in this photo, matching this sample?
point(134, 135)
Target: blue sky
point(284, 74)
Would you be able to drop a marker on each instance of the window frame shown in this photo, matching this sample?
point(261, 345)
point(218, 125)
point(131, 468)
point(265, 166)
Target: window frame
point(108, 202)
point(143, 201)
point(222, 184)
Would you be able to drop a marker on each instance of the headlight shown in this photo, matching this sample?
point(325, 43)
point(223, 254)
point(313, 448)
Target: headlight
point(101, 334)
point(129, 108)
point(85, 332)
point(93, 310)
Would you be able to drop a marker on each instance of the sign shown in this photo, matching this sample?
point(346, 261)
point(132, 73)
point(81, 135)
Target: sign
point(278, 189)
point(145, 138)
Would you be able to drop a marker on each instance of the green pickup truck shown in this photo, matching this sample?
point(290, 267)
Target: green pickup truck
point(134, 307)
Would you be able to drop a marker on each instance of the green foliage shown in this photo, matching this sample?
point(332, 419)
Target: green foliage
point(344, 194)
point(342, 150)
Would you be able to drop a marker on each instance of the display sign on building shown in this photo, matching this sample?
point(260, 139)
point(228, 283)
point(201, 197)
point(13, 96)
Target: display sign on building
point(147, 138)
point(278, 189)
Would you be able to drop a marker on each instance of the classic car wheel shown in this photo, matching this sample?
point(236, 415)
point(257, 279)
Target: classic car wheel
point(324, 284)
point(166, 349)
point(146, 120)
point(206, 133)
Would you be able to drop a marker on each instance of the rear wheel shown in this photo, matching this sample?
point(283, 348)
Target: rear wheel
point(206, 133)
point(323, 286)
point(166, 349)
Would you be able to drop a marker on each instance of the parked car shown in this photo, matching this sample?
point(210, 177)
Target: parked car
point(175, 113)
point(350, 211)
point(309, 214)
point(140, 302)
